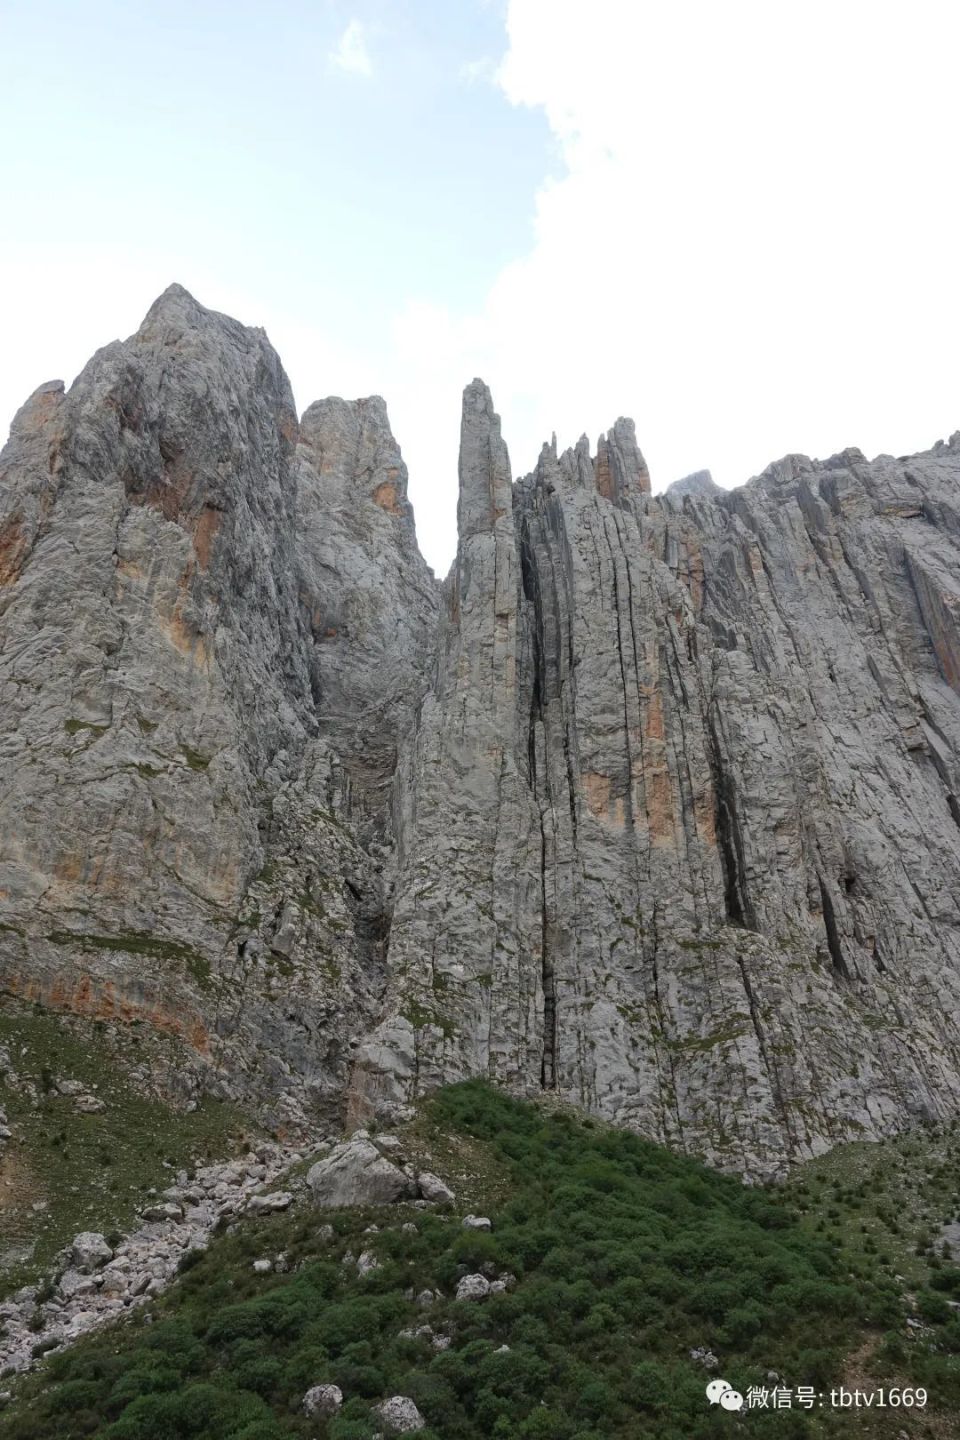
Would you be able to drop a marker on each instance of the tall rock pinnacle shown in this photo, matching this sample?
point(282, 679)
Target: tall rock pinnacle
point(466, 820)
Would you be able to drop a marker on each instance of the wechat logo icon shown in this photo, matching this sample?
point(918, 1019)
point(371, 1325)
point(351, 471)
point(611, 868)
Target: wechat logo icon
point(721, 1392)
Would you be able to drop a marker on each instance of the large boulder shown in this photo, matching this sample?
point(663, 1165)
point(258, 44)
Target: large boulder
point(434, 1189)
point(90, 1250)
point(269, 1204)
point(473, 1287)
point(73, 1283)
point(322, 1400)
point(367, 1261)
point(400, 1415)
point(168, 1210)
point(355, 1173)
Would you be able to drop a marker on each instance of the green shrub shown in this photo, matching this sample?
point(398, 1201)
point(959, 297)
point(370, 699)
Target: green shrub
point(626, 1258)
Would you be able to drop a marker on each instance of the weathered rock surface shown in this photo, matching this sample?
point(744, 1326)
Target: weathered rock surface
point(269, 1204)
point(178, 830)
point(90, 1250)
point(653, 805)
point(436, 1340)
point(322, 1400)
point(476, 1222)
point(434, 1189)
point(679, 827)
point(399, 1415)
point(701, 483)
point(473, 1287)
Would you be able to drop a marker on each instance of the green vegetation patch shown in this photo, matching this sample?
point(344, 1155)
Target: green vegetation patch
point(420, 1017)
point(888, 1208)
point(74, 727)
point(625, 1255)
point(86, 1171)
point(723, 1036)
point(140, 943)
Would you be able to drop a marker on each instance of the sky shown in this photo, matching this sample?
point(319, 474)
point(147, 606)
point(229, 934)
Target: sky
point(736, 223)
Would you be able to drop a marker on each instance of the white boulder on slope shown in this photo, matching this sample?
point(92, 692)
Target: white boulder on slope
point(355, 1173)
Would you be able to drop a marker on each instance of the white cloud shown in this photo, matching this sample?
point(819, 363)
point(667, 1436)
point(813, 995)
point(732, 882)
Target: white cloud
point(751, 248)
point(352, 54)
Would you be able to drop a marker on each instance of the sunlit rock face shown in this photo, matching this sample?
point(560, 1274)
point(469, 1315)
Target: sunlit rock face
point(653, 804)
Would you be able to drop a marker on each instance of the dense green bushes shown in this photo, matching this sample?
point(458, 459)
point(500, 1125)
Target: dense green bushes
point(625, 1255)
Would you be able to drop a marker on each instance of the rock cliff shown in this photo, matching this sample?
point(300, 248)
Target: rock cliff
point(653, 804)
point(190, 582)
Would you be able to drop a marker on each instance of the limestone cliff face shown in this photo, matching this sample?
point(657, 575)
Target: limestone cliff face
point(679, 831)
point(180, 838)
point(654, 804)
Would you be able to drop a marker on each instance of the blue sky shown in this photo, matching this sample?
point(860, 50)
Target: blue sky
point(231, 124)
point(226, 142)
point(227, 133)
point(736, 223)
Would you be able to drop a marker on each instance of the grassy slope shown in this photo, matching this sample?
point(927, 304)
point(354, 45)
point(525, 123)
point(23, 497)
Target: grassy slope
point(626, 1256)
point(886, 1204)
point(884, 1208)
point(86, 1171)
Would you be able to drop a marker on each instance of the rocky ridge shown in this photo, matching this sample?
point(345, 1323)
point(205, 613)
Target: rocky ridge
point(652, 805)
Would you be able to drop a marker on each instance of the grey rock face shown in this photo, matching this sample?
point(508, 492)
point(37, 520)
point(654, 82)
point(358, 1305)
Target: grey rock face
point(370, 599)
point(681, 838)
point(178, 834)
point(355, 1173)
point(654, 804)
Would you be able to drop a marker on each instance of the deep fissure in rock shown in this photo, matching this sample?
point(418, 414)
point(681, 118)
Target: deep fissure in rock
point(833, 933)
point(530, 580)
point(729, 838)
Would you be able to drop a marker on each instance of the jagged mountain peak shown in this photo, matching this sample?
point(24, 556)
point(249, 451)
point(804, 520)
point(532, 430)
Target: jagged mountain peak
point(177, 297)
point(177, 313)
point(650, 805)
